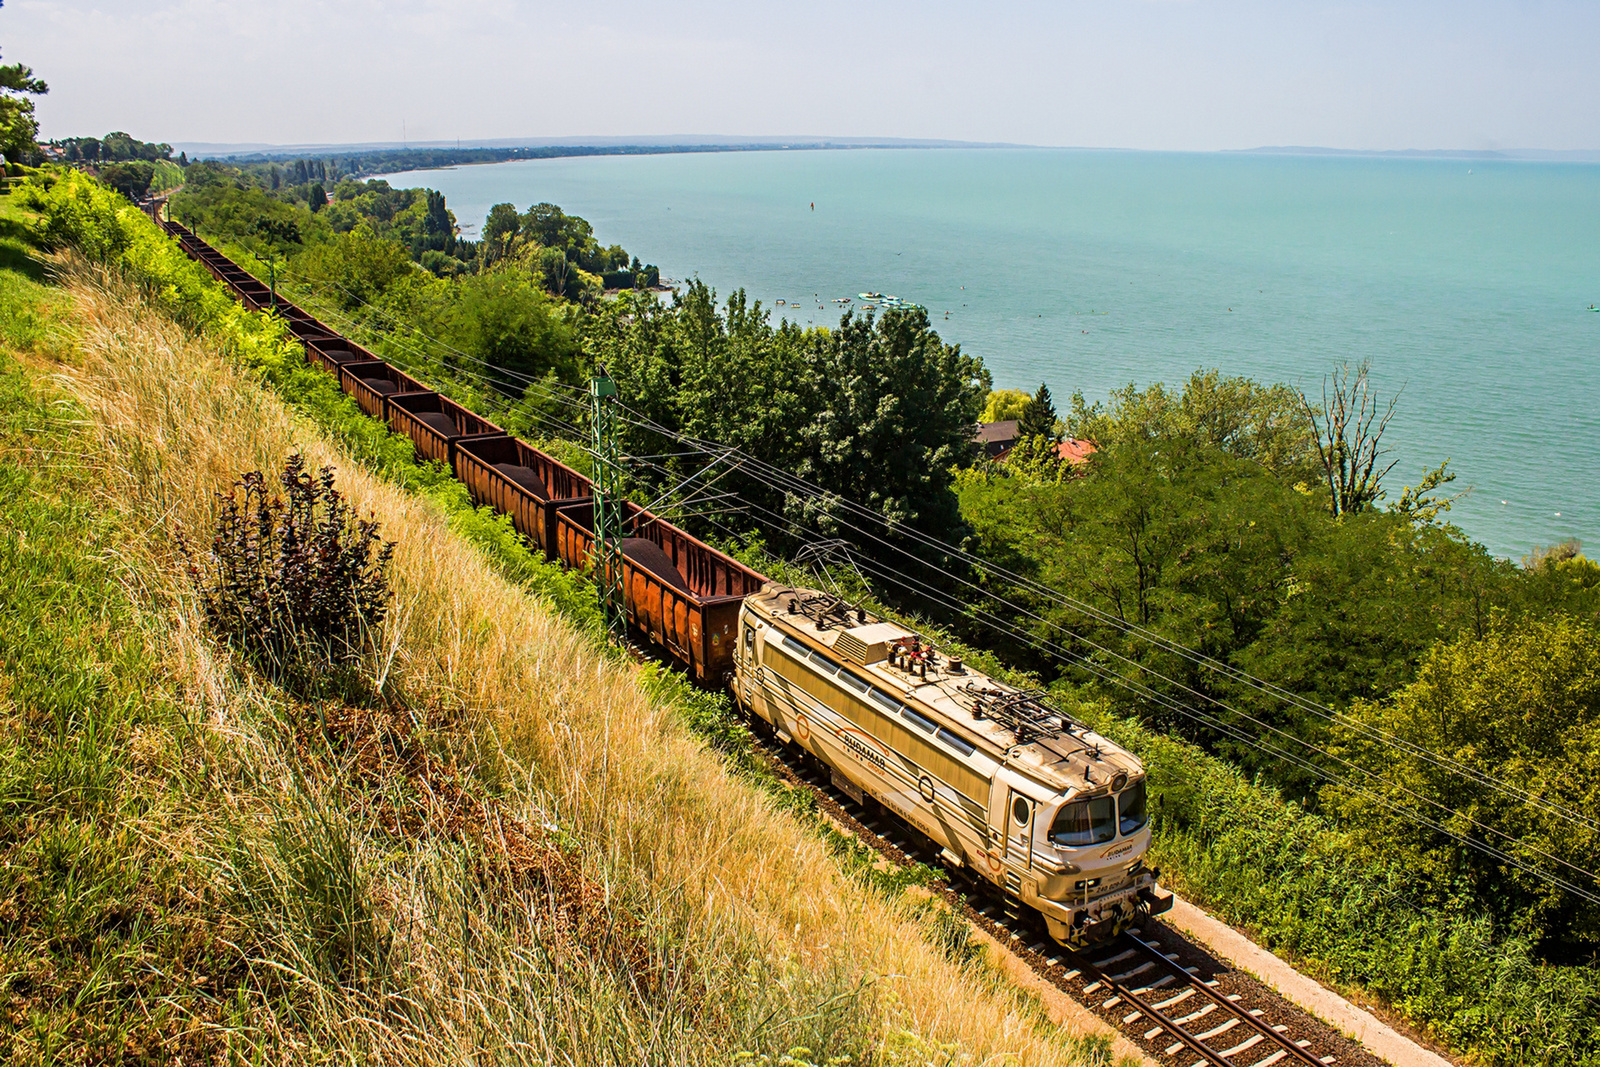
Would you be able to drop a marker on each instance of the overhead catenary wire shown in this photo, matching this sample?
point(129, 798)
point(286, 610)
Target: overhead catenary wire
point(797, 486)
point(1083, 661)
point(1233, 731)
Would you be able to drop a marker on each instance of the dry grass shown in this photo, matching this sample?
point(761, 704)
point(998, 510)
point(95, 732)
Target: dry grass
point(523, 858)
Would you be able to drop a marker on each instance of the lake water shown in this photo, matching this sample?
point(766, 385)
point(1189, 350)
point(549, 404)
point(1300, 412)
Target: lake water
point(1464, 282)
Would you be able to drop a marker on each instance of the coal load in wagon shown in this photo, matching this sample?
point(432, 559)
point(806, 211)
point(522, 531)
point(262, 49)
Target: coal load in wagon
point(647, 555)
point(525, 477)
point(439, 420)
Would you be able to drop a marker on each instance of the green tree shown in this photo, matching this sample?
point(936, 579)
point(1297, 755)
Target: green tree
point(19, 130)
point(438, 224)
point(500, 231)
point(1038, 417)
point(1265, 424)
point(118, 145)
point(1004, 404)
point(1036, 459)
point(216, 207)
point(353, 269)
point(894, 416)
point(131, 179)
point(504, 317)
point(717, 373)
point(1521, 706)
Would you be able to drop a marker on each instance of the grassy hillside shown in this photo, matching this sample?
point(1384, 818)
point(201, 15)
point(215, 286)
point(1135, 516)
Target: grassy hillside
point(515, 852)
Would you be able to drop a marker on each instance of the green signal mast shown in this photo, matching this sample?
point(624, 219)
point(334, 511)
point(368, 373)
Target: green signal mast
point(608, 506)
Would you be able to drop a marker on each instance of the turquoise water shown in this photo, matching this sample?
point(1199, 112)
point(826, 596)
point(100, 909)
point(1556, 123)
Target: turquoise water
point(1465, 283)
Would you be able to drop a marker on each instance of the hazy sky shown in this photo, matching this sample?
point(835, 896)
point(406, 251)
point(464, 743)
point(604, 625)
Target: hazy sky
point(1179, 74)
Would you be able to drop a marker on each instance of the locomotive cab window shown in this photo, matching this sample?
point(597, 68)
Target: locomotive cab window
point(1085, 822)
point(1131, 809)
point(750, 637)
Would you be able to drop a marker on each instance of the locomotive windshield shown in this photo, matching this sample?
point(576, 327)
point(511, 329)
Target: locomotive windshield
point(1085, 822)
point(1093, 822)
point(1130, 808)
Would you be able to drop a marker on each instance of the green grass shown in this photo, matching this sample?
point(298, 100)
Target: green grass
point(1231, 845)
point(195, 866)
point(85, 908)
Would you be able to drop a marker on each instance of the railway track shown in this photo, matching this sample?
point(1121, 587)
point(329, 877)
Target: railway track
point(1174, 1002)
point(1182, 1006)
point(1168, 996)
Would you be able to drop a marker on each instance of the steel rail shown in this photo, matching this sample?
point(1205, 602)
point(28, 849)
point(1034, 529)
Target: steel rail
point(1171, 1026)
point(1263, 1027)
point(1123, 991)
point(816, 778)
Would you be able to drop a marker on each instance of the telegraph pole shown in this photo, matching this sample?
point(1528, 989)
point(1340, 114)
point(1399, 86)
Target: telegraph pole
point(608, 506)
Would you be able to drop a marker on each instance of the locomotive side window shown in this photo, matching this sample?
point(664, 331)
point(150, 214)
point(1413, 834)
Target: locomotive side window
point(852, 681)
point(956, 741)
point(1131, 808)
point(1020, 811)
point(884, 701)
point(749, 637)
point(823, 664)
point(1086, 822)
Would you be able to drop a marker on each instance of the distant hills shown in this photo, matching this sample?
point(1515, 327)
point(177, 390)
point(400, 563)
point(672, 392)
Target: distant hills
point(1539, 155)
point(544, 147)
point(549, 146)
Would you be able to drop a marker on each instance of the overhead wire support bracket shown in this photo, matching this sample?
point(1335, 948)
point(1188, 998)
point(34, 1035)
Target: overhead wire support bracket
point(609, 507)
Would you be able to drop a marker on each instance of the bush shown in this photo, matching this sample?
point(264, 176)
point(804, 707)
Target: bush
point(1355, 911)
point(297, 584)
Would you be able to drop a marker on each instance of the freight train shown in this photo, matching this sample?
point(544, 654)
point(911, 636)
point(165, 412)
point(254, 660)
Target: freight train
point(1002, 785)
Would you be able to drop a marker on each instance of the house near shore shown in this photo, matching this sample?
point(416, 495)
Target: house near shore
point(1075, 450)
point(995, 440)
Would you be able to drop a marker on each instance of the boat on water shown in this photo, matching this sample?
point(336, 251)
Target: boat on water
point(870, 296)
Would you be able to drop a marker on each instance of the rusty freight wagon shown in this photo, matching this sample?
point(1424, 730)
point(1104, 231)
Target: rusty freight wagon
point(514, 477)
point(371, 384)
point(436, 424)
point(330, 351)
point(677, 590)
point(301, 323)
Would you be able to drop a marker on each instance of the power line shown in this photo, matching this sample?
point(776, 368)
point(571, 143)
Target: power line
point(1069, 657)
point(796, 485)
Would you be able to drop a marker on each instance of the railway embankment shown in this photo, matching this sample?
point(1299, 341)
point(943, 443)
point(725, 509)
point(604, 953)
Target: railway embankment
point(200, 864)
point(1291, 861)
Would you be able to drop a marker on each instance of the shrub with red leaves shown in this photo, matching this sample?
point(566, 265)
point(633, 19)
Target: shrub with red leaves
point(295, 581)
